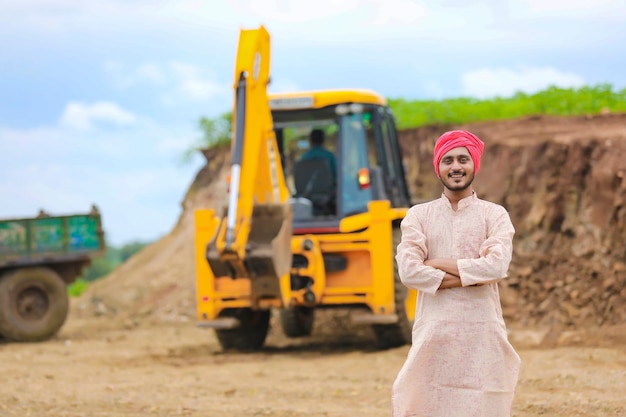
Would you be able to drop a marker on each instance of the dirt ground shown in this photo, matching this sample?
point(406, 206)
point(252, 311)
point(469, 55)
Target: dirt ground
point(97, 367)
point(130, 346)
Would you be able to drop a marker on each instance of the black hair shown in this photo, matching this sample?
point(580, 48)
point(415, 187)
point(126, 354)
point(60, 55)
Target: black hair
point(317, 137)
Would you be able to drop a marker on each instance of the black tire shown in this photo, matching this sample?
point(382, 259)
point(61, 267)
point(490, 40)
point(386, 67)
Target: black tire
point(33, 304)
point(397, 334)
point(297, 321)
point(250, 335)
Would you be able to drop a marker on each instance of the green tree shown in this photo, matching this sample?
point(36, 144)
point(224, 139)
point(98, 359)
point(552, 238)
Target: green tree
point(130, 249)
point(99, 268)
point(215, 131)
point(103, 265)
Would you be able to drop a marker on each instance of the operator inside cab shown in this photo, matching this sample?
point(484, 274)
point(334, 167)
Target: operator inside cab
point(317, 150)
point(316, 175)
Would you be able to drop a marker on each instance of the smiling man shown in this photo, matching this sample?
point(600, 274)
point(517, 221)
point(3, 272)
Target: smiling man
point(454, 250)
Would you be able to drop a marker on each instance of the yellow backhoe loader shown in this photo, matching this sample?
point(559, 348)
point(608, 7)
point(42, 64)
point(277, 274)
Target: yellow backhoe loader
point(302, 232)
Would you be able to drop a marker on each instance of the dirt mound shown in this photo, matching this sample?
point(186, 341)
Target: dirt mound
point(158, 283)
point(562, 180)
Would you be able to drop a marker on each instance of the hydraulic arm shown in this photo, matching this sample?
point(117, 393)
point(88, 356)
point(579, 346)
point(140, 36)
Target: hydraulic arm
point(254, 239)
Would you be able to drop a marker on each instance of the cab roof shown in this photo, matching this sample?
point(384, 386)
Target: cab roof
point(321, 98)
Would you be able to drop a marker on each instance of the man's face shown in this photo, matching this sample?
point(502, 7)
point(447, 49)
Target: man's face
point(456, 169)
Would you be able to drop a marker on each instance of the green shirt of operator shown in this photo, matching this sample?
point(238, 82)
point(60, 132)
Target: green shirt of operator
point(317, 150)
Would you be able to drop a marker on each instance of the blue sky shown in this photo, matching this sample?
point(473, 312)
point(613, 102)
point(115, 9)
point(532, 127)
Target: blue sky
point(98, 100)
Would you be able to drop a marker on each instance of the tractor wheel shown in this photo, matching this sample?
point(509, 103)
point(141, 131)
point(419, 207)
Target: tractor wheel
point(297, 321)
point(33, 304)
point(250, 335)
point(399, 333)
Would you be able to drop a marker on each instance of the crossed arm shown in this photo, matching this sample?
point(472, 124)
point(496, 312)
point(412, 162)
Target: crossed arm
point(452, 277)
point(419, 272)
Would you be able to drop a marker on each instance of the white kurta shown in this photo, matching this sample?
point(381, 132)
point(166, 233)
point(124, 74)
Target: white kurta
point(461, 363)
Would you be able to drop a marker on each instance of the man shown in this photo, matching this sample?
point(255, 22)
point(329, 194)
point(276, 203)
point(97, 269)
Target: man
point(317, 150)
point(454, 250)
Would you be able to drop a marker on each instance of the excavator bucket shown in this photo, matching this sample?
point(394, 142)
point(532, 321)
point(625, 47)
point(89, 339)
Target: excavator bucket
point(269, 242)
point(268, 252)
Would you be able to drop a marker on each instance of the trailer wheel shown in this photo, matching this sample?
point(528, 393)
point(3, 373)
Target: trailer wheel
point(33, 304)
point(399, 333)
point(297, 321)
point(250, 335)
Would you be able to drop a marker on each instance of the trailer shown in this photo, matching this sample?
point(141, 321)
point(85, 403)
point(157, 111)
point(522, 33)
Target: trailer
point(39, 257)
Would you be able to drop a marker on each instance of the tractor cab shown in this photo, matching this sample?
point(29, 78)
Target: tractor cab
point(339, 151)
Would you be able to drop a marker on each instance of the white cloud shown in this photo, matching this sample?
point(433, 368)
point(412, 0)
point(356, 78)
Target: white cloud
point(291, 11)
point(151, 72)
point(492, 82)
point(135, 203)
point(580, 8)
point(49, 185)
point(176, 80)
point(83, 116)
point(382, 12)
point(313, 20)
point(434, 89)
point(174, 145)
point(146, 73)
point(133, 176)
point(392, 12)
point(282, 86)
point(193, 83)
point(62, 17)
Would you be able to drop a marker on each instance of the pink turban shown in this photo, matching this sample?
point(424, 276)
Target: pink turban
point(455, 139)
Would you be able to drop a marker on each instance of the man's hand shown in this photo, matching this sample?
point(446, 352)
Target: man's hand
point(445, 264)
point(450, 281)
point(451, 278)
point(449, 266)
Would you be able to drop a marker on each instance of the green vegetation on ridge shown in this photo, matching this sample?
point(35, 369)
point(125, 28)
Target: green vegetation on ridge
point(551, 101)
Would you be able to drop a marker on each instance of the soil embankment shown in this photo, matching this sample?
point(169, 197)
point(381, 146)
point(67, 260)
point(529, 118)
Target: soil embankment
point(563, 181)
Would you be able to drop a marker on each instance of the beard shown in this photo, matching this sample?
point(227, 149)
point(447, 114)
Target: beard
point(457, 187)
